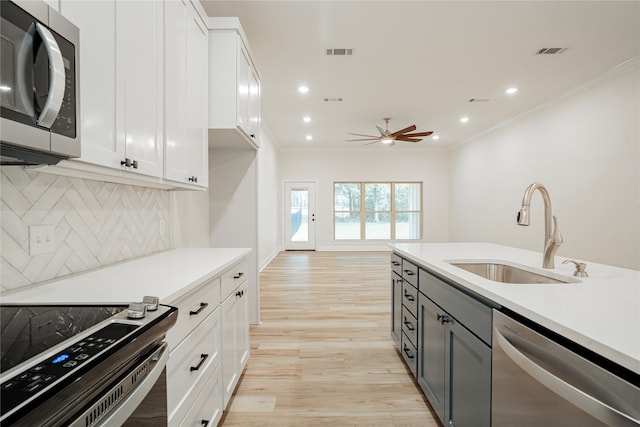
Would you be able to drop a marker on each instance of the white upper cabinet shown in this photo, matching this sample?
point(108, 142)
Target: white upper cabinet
point(139, 84)
point(97, 80)
point(186, 149)
point(234, 86)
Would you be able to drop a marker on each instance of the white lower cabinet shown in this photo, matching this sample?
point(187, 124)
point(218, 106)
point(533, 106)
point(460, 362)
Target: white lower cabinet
point(235, 338)
point(209, 347)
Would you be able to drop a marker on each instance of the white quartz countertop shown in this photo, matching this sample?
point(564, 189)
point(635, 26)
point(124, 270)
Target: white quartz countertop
point(167, 275)
point(601, 313)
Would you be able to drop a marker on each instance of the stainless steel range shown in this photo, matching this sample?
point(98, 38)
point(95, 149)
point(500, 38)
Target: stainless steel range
point(84, 365)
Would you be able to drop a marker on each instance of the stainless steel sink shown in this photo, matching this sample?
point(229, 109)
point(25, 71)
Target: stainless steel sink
point(504, 273)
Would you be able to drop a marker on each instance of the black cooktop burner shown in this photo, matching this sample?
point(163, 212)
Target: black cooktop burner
point(30, 330)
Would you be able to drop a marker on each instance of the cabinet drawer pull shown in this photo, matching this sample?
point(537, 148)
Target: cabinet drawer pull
point(395, 263)
point(204, 423)
point(409, 325)
point(443, 318)
point(407, 352)
point(240, 293)
point(409, 272)
point(203, 357)
point(409, 297)
point(203, 305)
point(239, 275)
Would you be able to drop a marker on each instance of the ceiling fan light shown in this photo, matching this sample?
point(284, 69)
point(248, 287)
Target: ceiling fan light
point(386, 141)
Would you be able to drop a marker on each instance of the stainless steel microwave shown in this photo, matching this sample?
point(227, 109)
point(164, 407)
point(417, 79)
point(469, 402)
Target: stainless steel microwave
point(39, 84)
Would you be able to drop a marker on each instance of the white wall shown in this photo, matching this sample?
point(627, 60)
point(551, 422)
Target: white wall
point(325, 167)
point(585, 149)
point(268, 202)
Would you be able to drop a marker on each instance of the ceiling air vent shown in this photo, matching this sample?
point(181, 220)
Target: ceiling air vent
point(332, 99)
point(479, 99)
point(550, 50)
point(339, 52)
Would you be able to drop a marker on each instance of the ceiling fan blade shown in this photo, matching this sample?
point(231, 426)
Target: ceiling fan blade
point(361, 134)
point(405, 139)
point(363, 139)
point(369, 143)
point(382, 131)
point(411, 135)
point(405, 130)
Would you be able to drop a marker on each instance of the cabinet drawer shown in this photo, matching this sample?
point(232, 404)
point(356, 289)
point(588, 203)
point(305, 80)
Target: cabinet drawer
point(207, 409)
point(192, 360)
point(396, 264)
point(409, 354)
point(473, 314)
point(410, 272)
point(410, 298)
point(410, 326)
point(193, 309)
point(233, 277)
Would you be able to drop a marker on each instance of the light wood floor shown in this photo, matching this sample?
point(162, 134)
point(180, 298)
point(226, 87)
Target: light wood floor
point(323, 355)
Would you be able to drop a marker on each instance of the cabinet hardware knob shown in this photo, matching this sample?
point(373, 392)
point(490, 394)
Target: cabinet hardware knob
point(126, 162)
point(203, 305)
point(134, 164)
point(395, 263)
point(195, 179)
point(203, 357)
point(442, 318)
point(239, 275)
point(253, 135)
point(240, 293)
point(409, 272)
point(204, 423)
point(409, 297)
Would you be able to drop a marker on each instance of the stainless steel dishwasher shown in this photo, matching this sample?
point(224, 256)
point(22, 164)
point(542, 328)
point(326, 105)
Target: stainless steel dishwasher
point(537, 381)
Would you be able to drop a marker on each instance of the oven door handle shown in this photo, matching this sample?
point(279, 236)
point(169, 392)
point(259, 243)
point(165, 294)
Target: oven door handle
point(57, 79)
point(127, 407)
point(579, 398)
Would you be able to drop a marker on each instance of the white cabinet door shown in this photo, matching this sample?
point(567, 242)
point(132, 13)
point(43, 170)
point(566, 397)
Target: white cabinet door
point(186, 146)
point(139, 75)
point(229, 364)
point(197, 102)
point(254, 108)
point(97, 79)
point(175, 96)
point(244, 70)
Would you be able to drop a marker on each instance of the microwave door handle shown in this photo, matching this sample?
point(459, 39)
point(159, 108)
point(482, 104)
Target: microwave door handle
point(57, 79)
point(579, 398)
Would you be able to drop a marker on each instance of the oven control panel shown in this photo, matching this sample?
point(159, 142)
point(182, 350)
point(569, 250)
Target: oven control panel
point(25, 385)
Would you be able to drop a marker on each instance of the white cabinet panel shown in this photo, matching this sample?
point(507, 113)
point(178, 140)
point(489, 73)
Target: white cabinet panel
point(97, 79)
point(235, 338)
point(140, 72)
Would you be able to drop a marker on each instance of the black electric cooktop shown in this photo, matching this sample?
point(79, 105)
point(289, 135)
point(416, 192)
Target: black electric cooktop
point(31, 330)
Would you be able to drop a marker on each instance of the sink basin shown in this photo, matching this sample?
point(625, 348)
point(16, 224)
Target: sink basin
point(504, 273)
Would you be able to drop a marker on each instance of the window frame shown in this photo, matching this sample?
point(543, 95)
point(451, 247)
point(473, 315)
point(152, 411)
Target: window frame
point(392, 212)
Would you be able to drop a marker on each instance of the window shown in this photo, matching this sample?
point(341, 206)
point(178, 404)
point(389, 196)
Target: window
point(377, 210)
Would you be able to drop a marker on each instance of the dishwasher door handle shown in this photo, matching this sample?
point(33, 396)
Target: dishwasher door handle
point(577, 397)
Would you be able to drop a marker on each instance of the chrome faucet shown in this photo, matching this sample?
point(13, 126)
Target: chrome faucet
point(552, 237)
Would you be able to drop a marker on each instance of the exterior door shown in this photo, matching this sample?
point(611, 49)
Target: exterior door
point(300, 216)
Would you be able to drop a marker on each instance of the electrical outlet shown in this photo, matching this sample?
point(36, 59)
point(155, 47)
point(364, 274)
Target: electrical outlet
point(41, 239)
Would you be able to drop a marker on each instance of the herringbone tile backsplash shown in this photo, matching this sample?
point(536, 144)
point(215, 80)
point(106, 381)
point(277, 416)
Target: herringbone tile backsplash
point(96, 223)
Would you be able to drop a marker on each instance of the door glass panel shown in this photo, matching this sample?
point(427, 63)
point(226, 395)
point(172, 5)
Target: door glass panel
point(299, 215)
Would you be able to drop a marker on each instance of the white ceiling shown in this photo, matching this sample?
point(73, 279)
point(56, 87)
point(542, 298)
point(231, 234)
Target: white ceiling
point(419, 62)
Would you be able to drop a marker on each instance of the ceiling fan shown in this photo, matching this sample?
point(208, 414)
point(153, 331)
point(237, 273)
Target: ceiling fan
point(390, 138)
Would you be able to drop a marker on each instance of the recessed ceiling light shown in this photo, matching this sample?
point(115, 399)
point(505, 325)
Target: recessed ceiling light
point(464, 119)
point(306, 119)
point(511, 90)
point(303, 89)
point(309, 137)
point(435, 137)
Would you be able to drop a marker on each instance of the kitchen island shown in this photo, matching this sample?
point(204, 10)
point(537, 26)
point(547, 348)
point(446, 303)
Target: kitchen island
point(600, 312)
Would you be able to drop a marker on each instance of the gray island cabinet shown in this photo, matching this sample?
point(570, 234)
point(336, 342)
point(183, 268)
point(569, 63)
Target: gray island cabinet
point(446, 342)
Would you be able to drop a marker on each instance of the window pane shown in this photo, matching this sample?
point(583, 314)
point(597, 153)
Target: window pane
point(378, 225)
point(347, 196)
point(347, 225)
point(299, 215)
point(377, 197)
point(408, 225)
point(407, 196)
